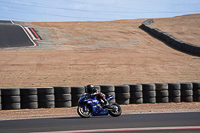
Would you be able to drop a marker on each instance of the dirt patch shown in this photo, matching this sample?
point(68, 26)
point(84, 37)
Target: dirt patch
point(115, 52)
point(126, 109)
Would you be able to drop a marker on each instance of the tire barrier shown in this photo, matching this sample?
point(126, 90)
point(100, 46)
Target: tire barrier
point(51, 97)
point(46, 97)
point(108, 90)
point(0, 101)
point(162, 94)
point(170, 40)
point(196, 91)
point(10, 99)
point(136, 96)
point(174, 92)
point(62, 96)
point(149, 93)
point(122, 93)
point(186, 92)
point(28, 98)
point(98, 87)
point(76, 93)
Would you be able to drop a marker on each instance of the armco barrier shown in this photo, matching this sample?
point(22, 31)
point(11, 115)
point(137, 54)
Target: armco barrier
point(170, 40)
point(65, 96)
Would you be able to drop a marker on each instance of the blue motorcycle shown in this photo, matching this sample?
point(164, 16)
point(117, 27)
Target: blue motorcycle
point(95, 106)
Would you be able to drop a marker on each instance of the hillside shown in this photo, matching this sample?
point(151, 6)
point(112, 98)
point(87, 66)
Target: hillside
point(186, 28)
point(114, 52)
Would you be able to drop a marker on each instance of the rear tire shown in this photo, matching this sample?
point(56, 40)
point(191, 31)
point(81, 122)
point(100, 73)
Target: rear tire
point(83, 113)
point(116, 112)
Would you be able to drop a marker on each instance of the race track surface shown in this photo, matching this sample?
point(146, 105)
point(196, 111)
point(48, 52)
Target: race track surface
point(133, 121)
point(12, 35)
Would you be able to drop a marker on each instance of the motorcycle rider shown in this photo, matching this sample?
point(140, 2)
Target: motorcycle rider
point(95, 92)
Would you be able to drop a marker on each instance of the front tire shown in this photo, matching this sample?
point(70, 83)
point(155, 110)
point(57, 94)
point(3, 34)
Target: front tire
point(82, 113)
point(116, 111)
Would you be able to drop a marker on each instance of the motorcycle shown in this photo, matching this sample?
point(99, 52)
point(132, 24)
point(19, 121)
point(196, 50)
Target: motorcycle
point(94, 106)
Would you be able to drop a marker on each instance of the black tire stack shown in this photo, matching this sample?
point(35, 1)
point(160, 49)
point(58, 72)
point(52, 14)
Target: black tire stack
point(46, 97)
point(186, 92)
point(10, 99)
point(108, 90)
point(162, 94)
point(149, 93)
point(196, 91)
point(76, 93)
point(29, 98)
point(97, 87)
point(174, 92)
point(136, 96)
point(62, 96)
point(122, 93)
point(0, 101)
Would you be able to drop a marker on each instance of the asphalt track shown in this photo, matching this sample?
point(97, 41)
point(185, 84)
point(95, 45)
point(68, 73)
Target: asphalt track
point(153, 122)
point(5, 21)
point(13, 35)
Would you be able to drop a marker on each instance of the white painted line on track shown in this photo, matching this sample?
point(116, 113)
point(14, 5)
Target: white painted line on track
point(30, 33)
point(12, 22)
point(127, 129)
point(166, 112)
point(35, 44)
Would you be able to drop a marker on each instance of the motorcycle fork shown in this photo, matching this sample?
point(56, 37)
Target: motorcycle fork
point(85, 108)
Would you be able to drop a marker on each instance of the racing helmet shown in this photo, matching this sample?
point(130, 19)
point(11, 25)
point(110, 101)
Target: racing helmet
point(90, 89)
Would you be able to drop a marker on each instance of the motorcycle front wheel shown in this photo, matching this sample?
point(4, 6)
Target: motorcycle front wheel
point(116, 110)
point(83, 113)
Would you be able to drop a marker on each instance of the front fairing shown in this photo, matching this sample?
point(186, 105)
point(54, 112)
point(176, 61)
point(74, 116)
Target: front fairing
point(83, 98)
point(93, 101)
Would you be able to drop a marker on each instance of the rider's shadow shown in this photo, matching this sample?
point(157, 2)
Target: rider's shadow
point(78, 117)
point(74, 117)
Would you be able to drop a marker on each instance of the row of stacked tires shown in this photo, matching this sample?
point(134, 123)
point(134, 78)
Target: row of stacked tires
point(170, 40)
point(51, 97)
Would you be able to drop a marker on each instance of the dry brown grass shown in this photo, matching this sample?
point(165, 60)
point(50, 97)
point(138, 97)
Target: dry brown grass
point(115, 52)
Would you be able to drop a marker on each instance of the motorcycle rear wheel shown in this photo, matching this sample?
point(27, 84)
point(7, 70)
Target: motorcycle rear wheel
point(116, 111)
point(82, 113)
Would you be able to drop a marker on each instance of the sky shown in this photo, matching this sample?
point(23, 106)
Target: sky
point(93, 10)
